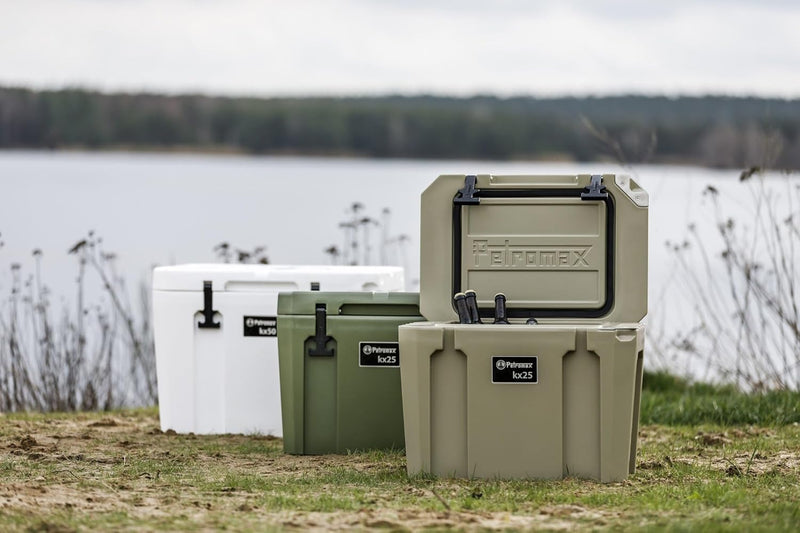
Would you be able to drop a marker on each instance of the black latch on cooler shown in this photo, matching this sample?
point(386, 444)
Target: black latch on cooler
point(321, 338)
point(208, 308)
point(466, 196)
point(596, 190)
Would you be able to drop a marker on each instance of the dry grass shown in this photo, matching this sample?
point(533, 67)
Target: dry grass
point(64, 472)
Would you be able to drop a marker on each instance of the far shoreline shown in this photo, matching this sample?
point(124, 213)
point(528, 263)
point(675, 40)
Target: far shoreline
point(235, 152)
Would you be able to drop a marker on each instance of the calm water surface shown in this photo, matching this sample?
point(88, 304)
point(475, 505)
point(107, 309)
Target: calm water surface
point(163, 209)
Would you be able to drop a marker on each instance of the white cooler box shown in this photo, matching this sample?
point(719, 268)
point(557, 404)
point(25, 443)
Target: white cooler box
point(216, 339)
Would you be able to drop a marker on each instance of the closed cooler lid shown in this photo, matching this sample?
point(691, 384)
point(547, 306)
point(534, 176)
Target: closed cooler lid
point(558, 247)
point(350, 303)
point(239, 277)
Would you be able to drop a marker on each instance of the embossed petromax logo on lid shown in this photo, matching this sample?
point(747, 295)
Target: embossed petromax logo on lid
point(524, 256)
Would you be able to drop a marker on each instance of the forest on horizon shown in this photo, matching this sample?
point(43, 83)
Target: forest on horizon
point(715, 131)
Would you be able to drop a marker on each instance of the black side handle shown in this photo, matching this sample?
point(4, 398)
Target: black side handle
point(208, 308)
point(321, 338)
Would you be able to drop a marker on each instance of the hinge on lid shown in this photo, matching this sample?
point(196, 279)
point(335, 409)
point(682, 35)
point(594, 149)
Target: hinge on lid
point(466, 195)
point(321, 338)
point(596, 190)
point(208, 308)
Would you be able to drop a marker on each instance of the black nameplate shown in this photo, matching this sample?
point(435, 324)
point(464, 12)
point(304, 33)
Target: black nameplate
point(260, 326)
point(516, 369)
point(383, 354)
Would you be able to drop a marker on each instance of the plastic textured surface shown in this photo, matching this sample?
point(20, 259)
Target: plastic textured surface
point(576, 415)
point(332, 404)
point(555, 391)
point(558, 251)
point(226, 379)
point(236, 277)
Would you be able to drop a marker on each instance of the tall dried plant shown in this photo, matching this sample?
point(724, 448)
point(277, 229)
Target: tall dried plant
point(745, 290)
point(88, 357)
point(742, 288)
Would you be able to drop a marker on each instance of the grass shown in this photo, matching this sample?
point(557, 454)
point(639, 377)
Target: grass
point(674, 401)
point(117, 471)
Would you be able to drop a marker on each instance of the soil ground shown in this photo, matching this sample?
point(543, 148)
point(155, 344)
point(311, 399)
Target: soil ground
point(68, 472)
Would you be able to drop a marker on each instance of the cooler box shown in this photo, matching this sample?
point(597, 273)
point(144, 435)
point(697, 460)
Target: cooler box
point(340, 369)
point(554, 398)
point(216, 330)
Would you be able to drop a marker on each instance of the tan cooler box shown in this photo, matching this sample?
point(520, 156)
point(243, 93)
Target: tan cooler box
point(555, 391)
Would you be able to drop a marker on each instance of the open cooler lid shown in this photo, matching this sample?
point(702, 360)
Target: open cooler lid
point(244, 277)
point(559, 247)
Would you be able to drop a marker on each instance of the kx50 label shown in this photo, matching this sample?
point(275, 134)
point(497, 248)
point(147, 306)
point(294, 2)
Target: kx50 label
point(378, 354)
point(518, 369)
point(260, 326)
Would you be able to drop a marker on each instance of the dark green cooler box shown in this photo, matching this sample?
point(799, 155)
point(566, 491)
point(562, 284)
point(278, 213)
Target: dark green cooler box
point(340, 369)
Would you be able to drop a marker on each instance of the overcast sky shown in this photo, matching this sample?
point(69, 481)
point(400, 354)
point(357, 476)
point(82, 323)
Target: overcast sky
point(277, 47)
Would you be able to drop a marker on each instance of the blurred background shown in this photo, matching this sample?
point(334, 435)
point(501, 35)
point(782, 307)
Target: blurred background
point(136, 133)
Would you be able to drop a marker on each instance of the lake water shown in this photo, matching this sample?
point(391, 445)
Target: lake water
point(154, 209)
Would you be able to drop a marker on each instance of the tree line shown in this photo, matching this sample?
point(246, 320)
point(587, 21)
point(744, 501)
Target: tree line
point(719, 131)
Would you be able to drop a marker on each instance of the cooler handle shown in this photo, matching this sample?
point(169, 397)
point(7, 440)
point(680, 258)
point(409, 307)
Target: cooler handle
point(208, 308)
point(321, 338)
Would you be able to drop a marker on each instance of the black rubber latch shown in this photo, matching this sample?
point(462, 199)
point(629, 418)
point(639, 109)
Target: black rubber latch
point(466, 196)
point(321, 338)
point(596, 190)
point(208, 308)
point(472, 306)
point(500, 314)
point(460, 300)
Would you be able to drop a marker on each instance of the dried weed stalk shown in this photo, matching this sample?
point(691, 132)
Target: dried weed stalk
point(85, 357)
